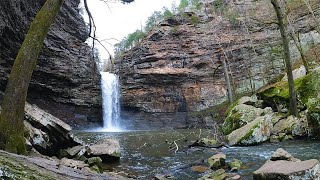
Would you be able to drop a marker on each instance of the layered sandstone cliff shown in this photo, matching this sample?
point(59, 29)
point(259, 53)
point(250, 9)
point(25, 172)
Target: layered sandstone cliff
point(176, 67)
point(65, 81)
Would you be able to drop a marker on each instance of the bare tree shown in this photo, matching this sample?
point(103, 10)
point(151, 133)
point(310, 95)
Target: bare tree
point(285, 41)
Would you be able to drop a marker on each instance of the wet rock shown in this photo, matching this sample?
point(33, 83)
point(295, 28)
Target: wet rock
point(208, 142)
point(217, 161)
point(274, 139)
point(257, 131)
point(234, 177)
point(164, 177)
point(199, 169)
point(235, 165)
point(13, 166)
point(215, 175)
point(107, 149)
point(281, 154)
point(47, 134)
point(281, 169)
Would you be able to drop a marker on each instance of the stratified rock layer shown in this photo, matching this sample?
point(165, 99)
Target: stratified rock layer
point(65, 81)
point(176, 67)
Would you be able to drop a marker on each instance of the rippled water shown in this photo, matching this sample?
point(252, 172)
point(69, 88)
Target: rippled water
point(146, 153)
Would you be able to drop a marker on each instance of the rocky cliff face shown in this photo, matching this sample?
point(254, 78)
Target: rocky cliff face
point(65, 82)
point(176, 67)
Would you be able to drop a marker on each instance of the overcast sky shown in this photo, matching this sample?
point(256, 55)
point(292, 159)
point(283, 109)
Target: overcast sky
point(118, 20)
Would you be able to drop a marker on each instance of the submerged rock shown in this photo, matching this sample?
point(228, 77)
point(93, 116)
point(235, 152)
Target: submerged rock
point(107, 149)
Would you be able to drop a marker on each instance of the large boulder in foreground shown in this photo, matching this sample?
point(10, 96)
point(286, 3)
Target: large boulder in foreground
point(282, 169)
point(13, 166)
point(107, 149)
point(283, 165)
point(46, 133)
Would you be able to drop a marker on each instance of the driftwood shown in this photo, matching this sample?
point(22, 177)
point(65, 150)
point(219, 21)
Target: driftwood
point(198, 143)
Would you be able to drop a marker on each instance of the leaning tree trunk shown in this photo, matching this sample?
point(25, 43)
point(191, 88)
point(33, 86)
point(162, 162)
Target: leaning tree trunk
point(11, 119)
point(285, 41)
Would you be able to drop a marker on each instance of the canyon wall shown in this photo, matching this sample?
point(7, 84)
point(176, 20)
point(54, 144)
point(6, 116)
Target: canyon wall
point(176, 69)
point(65, 81)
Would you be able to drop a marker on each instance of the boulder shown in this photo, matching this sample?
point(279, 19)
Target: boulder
point(274, 139)
point(235, 165)
point(252, 100)
point(281, 154)
point(255, 132)
point(215, 175)
point(241, 115)
point(297, 126)
point(107, 149)
point(217, 161)
point(37, 138)
point(297, 73)
point(208, 142)
point(47, 134)
point(282, 169)
point(307, 88)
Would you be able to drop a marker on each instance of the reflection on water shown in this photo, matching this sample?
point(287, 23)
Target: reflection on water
point(146, 153)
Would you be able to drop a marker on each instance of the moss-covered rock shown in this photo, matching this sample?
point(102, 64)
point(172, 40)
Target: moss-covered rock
point(208, 142)
point(235, 165)
point(308, 93)
point(255, 132)
point(219, 174)
point(217, 161)
point(241, 115)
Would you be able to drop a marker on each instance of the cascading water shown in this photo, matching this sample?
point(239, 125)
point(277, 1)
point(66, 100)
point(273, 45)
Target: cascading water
point(110, 98)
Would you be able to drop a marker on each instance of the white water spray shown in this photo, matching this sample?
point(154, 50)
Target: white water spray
point(111, 105)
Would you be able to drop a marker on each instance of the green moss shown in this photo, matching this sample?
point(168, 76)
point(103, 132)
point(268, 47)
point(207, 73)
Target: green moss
point(13, 169)
point(231, 107)
point(231, 123)
point(16, 144)
point(249, 133)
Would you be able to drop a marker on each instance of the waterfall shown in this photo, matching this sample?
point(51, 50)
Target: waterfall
point(110, 101)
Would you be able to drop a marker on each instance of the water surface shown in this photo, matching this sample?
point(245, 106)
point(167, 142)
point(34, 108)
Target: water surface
point(146, 153)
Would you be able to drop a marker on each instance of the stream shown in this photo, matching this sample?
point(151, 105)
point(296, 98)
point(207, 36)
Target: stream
point(147, 153)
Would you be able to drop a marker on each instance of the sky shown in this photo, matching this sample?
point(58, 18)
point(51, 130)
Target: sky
point(117, 20)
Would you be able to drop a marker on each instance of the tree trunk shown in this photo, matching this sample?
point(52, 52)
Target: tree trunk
point(227, 79)
point(285, 41)
point(11, 119)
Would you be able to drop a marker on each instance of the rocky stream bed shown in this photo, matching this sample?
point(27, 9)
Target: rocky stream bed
point(146, 154)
